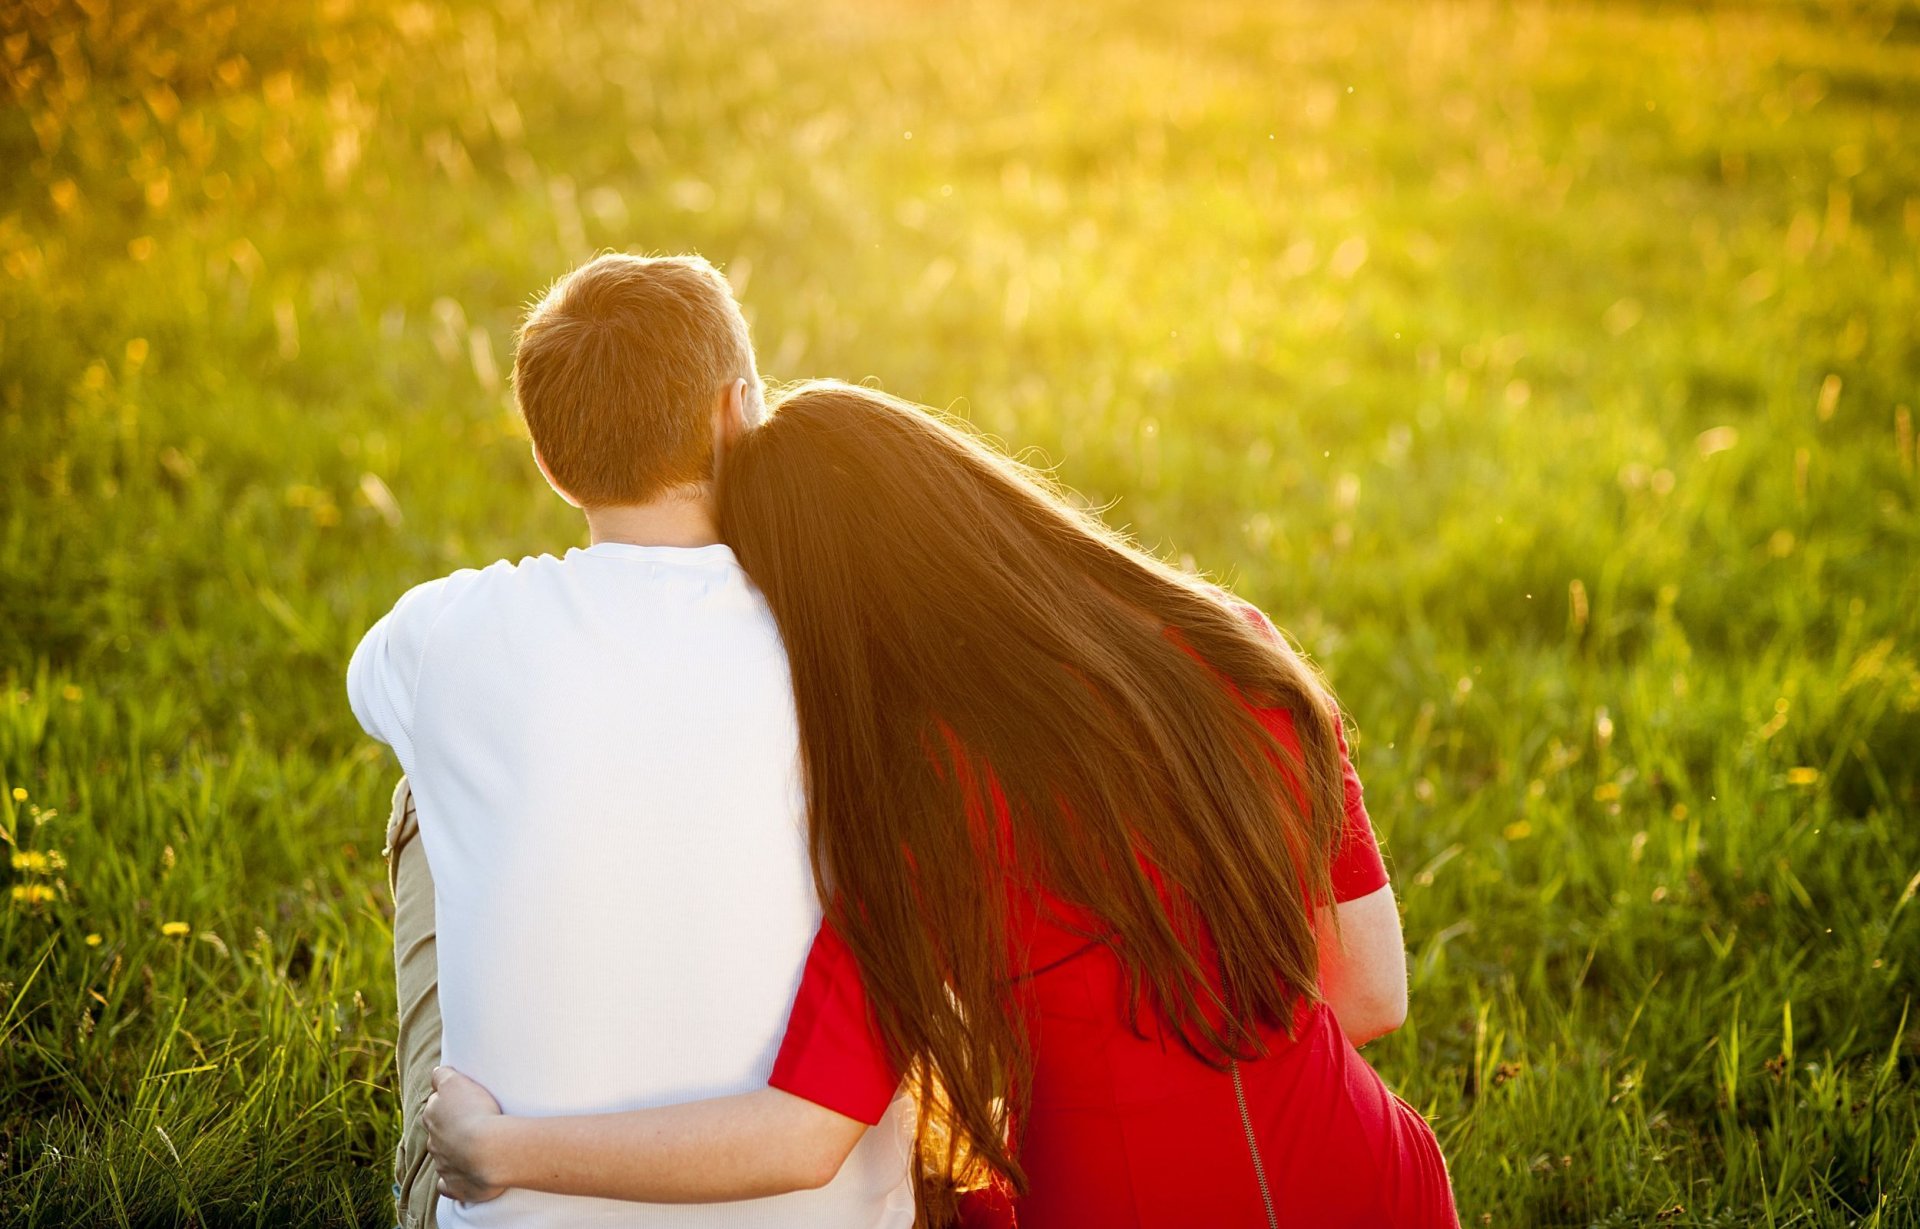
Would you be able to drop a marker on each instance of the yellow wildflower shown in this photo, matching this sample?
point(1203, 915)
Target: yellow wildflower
point(93, 940)
point(1518, 830)
point(32, 893)
point(71, 694)
point(31, 861)
point(19, 793)
point(174, 930)
point(1802, 776)
point(1606, 793)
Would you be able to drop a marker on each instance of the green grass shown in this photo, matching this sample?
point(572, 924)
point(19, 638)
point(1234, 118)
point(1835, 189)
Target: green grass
point(1549, 372)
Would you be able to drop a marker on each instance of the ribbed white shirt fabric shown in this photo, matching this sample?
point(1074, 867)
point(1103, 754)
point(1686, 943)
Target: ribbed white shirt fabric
point(604, 755)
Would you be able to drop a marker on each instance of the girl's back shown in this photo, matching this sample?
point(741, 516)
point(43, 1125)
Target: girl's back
point(1126, 1127)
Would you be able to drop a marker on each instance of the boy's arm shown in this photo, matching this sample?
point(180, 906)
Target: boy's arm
point(384, 674)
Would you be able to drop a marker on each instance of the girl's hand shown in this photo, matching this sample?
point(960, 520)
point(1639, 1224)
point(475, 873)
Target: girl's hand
point(462, 1121)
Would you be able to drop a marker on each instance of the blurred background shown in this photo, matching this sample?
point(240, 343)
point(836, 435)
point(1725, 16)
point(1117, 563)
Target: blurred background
point(1548, 371)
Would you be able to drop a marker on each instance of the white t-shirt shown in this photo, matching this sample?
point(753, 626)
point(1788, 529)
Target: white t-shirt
point(604, 754)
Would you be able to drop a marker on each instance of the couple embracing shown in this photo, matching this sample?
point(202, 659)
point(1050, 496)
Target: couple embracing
point(857, 835)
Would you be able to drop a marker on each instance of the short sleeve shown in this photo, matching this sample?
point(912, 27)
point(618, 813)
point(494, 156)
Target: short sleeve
point(833, 1054)
point(384, 674)
point(1358, 869)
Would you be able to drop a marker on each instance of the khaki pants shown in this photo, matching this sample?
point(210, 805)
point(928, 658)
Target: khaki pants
point(416, 969)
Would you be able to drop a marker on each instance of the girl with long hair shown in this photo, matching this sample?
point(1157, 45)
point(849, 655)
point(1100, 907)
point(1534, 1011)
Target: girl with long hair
point(1099, 884)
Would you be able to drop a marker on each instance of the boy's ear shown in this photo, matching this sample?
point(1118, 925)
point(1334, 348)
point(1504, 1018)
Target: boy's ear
point(731, 418)
point(548, 475)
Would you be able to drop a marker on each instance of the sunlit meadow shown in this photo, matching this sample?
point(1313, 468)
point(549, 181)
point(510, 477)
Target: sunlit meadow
point(1548, 371)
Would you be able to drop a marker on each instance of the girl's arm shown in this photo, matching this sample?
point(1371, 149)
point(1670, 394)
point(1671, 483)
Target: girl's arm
point(1363, 965)
point(765, 1142)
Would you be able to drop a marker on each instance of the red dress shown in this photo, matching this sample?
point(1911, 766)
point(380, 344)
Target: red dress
point(1125, 1131)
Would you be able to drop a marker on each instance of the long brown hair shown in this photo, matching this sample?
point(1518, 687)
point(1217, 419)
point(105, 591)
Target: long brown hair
point(955, 627)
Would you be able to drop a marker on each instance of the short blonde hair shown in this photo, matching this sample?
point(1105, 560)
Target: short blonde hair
point(616, 371)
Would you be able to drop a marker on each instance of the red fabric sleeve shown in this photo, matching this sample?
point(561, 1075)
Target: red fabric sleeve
point(1358, 869)
point(833, 1054)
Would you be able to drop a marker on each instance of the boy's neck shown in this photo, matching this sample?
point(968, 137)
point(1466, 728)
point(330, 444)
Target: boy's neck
point(684, 518)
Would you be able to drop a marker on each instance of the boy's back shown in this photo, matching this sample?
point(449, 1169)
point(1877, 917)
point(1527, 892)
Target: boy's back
point(605, 763)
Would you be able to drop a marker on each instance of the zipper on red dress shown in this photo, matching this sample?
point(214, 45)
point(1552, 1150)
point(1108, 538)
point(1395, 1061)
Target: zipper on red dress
point(1253, 1148)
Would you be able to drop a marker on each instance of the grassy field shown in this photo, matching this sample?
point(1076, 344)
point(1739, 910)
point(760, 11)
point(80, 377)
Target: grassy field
point(1548, 372)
